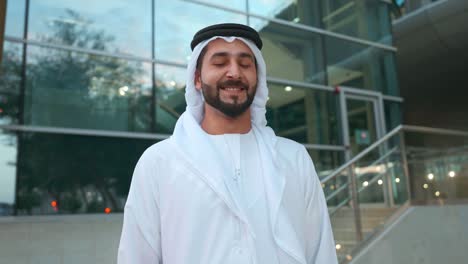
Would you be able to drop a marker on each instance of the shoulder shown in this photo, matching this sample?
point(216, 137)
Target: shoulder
point(157, 154)
point(289, 147)
point(161, 150)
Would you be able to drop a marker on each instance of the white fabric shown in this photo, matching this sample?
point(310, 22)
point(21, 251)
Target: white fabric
point(245, 182)
point(179, 209)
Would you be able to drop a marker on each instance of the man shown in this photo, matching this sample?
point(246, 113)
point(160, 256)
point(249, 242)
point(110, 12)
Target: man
point(223, 188)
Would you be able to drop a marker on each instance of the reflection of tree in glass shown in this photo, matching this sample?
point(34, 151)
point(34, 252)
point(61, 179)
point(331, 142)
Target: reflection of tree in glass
point(88, 86)
point(83, 174)
point(10, 76)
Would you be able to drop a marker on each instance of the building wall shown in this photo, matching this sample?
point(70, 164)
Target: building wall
point(91, 85)
point(429, 234)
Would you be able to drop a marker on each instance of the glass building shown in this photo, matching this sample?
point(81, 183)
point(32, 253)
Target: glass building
point(87, 86)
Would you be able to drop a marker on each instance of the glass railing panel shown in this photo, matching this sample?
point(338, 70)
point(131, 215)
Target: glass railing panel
point(438, 165)
point(429, 165)
point(344, 229)
point(381, 185)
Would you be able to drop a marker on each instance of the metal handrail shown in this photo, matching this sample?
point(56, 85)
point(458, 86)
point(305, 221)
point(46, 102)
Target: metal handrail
point(396, 130)
point(334, 193)
point(362, 154)
point(432, 130)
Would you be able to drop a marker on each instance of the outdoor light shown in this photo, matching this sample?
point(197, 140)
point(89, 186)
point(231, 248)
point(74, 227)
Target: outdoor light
point(123, 90)
point(366, 183)
point(430, 176)
point(397, 180)
point(425, 186)
point(288, 88)
point(451, 174)
point(380, 182)
point(437, 193)
point(338, 246)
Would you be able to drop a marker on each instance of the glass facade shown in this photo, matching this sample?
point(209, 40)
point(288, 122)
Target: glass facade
point(82, 96)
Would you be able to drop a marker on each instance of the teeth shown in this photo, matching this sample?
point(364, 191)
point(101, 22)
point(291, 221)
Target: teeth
point(232, 88)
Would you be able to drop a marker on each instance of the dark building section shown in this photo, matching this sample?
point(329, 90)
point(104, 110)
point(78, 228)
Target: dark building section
point(431, 60)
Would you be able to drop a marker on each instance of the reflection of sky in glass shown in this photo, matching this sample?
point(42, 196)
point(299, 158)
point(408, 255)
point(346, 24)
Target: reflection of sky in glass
point(232, 4)
point(15, 18)
point(7, 169)
point(128, 22)
point(178, 21)
point(171, 76)
point(269, 8)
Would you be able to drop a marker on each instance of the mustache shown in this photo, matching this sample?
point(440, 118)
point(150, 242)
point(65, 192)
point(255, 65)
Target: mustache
point(233, 83)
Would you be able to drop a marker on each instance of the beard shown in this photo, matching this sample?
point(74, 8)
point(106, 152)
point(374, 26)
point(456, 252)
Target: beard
point(235, 108)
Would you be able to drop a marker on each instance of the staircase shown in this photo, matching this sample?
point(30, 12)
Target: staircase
point(373, 188)
point(344, 229)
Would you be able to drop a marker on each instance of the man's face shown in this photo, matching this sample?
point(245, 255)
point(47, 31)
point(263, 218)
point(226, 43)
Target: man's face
point(228, 77)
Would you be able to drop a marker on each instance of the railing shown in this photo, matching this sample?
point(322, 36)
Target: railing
point(405, 7)
point(408, 165)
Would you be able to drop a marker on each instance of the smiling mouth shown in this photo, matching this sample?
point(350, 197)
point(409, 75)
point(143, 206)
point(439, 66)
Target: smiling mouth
point(232, 88)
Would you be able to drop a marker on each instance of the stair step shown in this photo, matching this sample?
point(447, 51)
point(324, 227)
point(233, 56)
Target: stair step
point(365, 212)
point(366, 222)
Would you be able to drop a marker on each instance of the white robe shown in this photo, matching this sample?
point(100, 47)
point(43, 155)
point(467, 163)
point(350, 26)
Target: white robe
point(175, 214)
point(245, 184)
point(181, 211)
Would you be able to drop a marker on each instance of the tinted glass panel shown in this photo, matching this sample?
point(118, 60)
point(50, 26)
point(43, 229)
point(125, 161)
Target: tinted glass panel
point(116, 26)
point(14, 24)
point(360, 66)
point(67, 89)
point(175, 29)
point(170, 83)
point(10, 81)
point(291, 53)
point(362, 19)
point(303, 12)
point(81, 174)
point(302, 114)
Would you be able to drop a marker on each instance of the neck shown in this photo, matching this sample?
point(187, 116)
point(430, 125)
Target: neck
point(216, 123)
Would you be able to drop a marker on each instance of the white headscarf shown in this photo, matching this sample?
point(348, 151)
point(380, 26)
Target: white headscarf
point(194, 97)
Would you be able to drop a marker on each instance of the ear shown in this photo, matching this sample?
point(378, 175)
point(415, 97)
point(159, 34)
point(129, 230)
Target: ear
point(197, 81)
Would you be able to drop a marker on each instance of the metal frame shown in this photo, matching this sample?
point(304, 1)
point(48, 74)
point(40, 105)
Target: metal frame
point(182, 65)
point(299, 26)
point(124, 134)
point(375, 98)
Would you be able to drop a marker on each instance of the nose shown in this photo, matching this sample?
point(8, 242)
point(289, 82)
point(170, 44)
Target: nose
point(233, 72)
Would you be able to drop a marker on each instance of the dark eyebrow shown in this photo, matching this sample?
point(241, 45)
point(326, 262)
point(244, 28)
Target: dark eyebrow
point(226, 54)
point(246, 55)
point(219, 54)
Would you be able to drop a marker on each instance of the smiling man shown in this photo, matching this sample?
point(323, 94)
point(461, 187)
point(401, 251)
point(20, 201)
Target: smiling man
point(224, 188)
